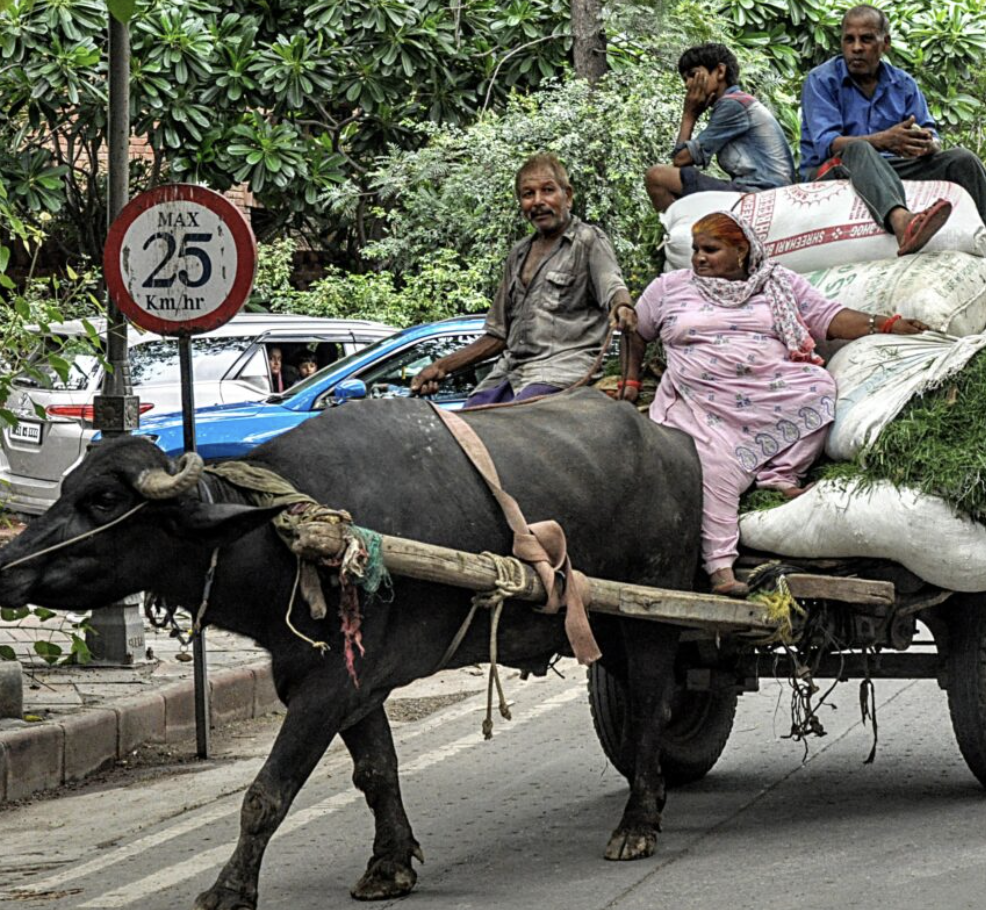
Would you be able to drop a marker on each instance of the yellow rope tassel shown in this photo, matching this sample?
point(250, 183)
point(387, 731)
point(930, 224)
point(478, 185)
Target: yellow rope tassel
point(780, 604)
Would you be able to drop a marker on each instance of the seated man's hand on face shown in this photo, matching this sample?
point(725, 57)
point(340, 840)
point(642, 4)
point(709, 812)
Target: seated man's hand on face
point(698, 98)
point(427, 381)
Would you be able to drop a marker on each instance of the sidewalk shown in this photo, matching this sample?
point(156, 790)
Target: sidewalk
point(79, 720)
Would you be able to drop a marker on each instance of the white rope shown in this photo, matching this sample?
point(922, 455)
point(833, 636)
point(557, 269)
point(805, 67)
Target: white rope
point(76, 539)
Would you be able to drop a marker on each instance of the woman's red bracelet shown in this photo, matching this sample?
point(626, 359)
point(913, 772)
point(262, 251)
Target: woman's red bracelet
point(888, 326)
point(633, 383)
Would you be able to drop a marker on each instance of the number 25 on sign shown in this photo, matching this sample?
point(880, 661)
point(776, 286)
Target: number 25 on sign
point(179, 260)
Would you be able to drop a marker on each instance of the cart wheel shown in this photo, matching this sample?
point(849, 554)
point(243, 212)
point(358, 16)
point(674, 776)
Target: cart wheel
point(967, 682)
point(694, 736)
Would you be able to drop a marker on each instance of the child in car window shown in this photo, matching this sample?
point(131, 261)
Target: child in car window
point(307, 364)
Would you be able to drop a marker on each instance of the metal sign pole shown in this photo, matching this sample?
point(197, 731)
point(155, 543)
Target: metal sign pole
point(117, 630)
point(199, 652)
point(180, 260)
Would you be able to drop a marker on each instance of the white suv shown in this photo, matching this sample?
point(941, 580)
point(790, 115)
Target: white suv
point(231, 364)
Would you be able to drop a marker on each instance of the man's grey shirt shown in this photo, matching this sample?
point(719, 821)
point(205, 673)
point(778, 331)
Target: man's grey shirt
point(555, 326)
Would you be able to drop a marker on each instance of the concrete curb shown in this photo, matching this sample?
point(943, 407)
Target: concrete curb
point(47, 755)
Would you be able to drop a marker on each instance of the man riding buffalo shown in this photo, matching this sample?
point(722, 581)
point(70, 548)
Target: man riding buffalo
point(551, 312)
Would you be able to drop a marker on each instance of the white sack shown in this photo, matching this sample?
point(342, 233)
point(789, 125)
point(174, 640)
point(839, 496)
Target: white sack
point(945, 290)
point(837, 519)
point(811, 226)
point(680, 217)
point(877, 375)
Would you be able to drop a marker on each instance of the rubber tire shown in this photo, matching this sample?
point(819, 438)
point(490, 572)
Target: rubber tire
point(694, 736)
point(967, 682)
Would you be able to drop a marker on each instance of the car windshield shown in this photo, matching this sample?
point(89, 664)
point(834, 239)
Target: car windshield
point(157, 361)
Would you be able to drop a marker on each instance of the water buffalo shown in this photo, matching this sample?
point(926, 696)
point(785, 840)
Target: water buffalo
point(626, 491)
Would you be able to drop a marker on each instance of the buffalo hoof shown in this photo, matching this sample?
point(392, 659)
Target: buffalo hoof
point(384, 879)
point(636, 843)
point(223, 899)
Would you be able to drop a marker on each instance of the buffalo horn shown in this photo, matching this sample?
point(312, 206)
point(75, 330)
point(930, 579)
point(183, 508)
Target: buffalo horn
point(156, 483)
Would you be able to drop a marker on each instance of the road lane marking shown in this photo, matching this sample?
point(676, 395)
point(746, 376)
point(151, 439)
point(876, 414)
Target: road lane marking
point(209, 816)
point(217, 856)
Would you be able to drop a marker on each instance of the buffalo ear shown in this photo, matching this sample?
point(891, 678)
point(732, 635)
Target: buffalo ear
point(222, 523)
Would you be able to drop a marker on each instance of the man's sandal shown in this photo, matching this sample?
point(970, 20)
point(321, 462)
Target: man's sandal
point(923, 226)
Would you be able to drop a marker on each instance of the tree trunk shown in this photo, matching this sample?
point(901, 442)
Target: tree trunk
point(588, 40)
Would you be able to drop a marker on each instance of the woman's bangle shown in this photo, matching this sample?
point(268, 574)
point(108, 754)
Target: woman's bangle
point(888, 326)
point(633, 383)
point(872, 330)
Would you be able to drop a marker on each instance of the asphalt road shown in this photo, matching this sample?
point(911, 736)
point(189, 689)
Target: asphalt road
point(521, 821)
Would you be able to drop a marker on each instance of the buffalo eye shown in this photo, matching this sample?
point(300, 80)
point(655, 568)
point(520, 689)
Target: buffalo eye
point(105, 500)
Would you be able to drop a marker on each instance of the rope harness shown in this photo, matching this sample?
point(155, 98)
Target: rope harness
point(510, 580)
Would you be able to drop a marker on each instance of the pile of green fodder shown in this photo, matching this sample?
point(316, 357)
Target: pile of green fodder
point(937, 444)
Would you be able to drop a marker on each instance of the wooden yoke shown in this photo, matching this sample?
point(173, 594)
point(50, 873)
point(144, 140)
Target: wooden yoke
point(542, 545)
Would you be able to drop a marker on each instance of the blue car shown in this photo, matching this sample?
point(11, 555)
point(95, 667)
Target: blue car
point(384, 369)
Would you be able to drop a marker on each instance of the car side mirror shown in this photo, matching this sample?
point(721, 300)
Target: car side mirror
point(349, 390)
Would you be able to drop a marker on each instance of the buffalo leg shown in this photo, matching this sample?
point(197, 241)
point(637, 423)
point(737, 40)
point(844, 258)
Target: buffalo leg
point(308, 728)
point(389, 872)
point(650, 674)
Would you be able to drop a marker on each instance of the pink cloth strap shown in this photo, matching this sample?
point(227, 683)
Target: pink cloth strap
point(542, 545)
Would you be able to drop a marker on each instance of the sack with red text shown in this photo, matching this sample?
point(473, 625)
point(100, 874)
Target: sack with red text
point(812, 226)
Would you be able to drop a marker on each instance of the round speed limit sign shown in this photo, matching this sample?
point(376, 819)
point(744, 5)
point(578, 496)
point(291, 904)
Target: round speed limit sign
point(179, 260)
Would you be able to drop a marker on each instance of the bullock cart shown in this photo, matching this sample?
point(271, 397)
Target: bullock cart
point(854, 619)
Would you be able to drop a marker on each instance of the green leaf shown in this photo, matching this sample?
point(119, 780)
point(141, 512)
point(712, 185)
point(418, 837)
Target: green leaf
point(7, 652)
point(43, 613)
point(9, 614)
point(48, 651)
point(80, 650)
point(122, 10)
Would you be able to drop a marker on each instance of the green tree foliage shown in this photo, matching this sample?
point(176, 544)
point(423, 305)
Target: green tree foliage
point(44, 302)
point(447, 203)
point(292, 98)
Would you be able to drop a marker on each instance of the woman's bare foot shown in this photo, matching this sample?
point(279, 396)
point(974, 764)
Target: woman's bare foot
point(725, 583)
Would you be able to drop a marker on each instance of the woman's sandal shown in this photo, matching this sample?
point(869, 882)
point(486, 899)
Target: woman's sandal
point(923, 226)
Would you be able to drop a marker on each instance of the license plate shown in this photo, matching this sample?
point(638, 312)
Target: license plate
point(26, 432)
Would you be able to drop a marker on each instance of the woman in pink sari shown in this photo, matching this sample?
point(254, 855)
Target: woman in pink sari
point(743, 378)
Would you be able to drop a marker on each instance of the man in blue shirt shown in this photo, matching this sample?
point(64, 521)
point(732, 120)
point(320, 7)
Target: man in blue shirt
point(748, 140)
point(868, 121)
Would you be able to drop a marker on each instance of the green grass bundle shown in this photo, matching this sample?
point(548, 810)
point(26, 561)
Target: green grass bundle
point(937, 444)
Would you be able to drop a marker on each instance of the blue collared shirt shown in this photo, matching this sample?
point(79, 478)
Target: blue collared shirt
point(748, 141)
point(833, 105)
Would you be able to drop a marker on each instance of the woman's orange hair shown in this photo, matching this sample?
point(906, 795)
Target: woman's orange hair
point(722, 228)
